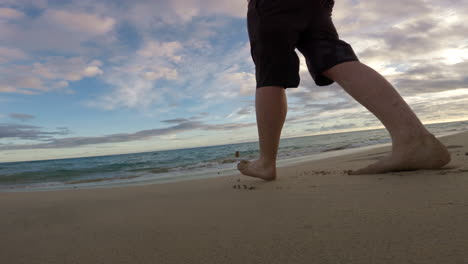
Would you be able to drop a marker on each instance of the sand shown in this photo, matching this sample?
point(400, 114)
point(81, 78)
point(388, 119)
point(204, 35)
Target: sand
point(314, 213)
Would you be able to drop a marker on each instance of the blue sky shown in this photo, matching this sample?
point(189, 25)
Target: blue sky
point(85, 78)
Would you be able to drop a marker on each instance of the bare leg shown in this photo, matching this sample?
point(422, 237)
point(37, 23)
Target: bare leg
point(271, 108)
point(413, 147)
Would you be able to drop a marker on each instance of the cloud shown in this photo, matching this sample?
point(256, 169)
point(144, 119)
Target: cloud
point(440, 105)
point(80, 22)
point(91, 71)
point(176, 121)
point(147, 14)
point(25, 3)
point(10, 13)
point(156, 49)
point(22, 117)
point(334, 127)
point(190, 63)
point(246, 110)
point(27, 132)
point(73, 31)
point(52, 73)
point(161, 73)
point(242, 82)
point(32, 132)
point(134, 81)
point(8, 54)
point(224, 74)
point(430, 77)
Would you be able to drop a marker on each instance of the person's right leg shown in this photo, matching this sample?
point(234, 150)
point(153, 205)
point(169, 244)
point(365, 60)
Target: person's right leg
point(413, 147)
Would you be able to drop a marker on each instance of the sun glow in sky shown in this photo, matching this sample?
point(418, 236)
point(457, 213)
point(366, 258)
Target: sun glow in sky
point(86, 78)
point(454, 56)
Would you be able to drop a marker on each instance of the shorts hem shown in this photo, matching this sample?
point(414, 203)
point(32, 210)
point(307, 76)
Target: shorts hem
point(325, 81)
point(281, 85)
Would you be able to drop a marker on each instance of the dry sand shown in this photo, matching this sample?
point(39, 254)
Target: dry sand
point(314, 213)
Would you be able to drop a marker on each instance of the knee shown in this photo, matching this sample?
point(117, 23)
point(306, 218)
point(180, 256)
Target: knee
point(339, 71)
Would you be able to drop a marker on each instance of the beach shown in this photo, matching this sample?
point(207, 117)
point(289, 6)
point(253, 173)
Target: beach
point(313, 213)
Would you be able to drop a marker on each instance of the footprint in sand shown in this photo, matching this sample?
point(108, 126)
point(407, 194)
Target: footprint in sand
point(454, 146)
point(243, 186)
point(454, 172)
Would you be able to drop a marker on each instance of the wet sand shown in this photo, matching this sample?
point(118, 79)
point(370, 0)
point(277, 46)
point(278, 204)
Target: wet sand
point(314, 213)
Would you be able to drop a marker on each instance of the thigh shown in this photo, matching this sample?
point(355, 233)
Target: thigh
point(321, 46)
point(274, 27)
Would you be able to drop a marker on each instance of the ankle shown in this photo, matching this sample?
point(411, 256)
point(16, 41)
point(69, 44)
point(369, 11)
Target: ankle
point(267, 162)
point(412, 137)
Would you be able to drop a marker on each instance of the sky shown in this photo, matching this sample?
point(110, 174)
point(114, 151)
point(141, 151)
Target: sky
point(87, 78)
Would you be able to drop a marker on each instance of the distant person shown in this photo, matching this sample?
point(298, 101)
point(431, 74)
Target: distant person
point(276, 28)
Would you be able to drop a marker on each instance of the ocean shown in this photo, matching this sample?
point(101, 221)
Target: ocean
point(182, 164)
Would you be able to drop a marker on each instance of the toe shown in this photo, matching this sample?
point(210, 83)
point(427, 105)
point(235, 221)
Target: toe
point(363, 171)
point(242, 164)
point(366, 170)
point(357, 172)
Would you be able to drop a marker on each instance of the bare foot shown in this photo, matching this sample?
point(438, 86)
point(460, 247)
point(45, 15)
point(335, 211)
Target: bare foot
point(257, 169)
point(426, 153)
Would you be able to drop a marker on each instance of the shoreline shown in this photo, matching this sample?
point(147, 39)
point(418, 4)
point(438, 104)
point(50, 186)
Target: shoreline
point(184, 175)
point(201, 174)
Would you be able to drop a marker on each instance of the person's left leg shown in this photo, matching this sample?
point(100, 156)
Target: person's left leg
point(271, 108)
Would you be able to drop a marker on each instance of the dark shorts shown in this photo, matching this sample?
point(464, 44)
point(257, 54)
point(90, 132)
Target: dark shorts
point(277, 27)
